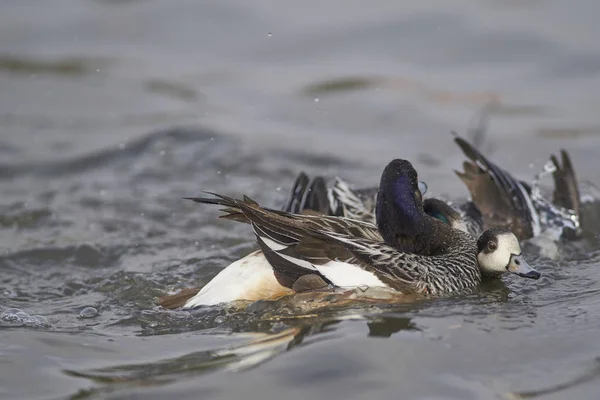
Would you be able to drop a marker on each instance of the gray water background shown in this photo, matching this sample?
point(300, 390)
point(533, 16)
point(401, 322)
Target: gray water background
point(112, 111)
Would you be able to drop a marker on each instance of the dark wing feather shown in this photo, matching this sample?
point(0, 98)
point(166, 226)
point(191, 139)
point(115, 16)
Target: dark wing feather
point(293, 203)
point(566, 189)
point(308, 196)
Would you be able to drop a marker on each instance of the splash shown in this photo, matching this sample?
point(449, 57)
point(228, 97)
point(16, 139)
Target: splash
point(553, 218)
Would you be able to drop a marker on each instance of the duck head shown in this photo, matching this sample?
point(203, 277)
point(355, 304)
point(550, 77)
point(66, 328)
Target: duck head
point(399, 209)
point(499, 252)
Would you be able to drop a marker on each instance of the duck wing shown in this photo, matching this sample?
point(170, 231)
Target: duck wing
point(350, 203)
point(308, 196)
point(566, 189)
point(298, 190)
point(296, 245)
point(503, 200)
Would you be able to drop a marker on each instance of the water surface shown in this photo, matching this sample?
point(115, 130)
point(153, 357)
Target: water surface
point(112, 111)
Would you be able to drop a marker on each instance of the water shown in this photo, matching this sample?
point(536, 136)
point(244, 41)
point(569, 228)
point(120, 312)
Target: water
point(112, 111)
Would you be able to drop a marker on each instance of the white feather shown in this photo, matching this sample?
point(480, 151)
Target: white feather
point(298, 262)
point(348, 275)
point(244, 279)
point(273, 245)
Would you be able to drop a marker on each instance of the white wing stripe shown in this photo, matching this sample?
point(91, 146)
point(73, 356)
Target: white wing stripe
point(298, 262)
point(273, 245)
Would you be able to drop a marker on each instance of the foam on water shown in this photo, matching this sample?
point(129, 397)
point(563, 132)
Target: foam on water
point(13, 317)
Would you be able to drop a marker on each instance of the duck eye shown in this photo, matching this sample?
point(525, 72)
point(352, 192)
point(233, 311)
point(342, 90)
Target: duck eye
point(492, 246)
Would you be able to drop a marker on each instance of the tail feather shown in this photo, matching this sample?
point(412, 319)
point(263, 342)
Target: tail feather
point(177, 300)
point(232, 210)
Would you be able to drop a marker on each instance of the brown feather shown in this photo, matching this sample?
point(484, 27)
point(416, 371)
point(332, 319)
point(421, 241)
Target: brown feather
point(177, 300)
point(500, 207)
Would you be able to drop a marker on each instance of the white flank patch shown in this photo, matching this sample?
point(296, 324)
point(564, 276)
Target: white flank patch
point(348, 275)
point(250, 274)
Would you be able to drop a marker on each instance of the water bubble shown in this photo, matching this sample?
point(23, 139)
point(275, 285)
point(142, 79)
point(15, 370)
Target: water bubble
point(218, 172)
point(11, 311)
point(22, 315)
point(316, 99)
point(10, 315)
point(363, 288)
point(278, 189)
point(162, 152)
point(37, 321)
point(88, 312)
point(269, 34)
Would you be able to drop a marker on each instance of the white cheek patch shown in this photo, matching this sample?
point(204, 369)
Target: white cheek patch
point(510, 243)
point(494, 261)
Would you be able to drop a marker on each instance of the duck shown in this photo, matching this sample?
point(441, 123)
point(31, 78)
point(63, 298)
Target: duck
point(497, 199)
point(406, 250)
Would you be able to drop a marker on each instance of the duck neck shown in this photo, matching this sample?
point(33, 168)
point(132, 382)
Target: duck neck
point(401, 222)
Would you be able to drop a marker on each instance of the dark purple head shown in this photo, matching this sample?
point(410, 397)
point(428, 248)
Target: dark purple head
point(399, 209)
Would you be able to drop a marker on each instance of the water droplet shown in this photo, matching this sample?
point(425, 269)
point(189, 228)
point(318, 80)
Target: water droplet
point(103, 192)
point(212, 139)
point(269, 34)
point(316, 99)
point(121, 146)
point(141, 214)
point(196, 243)
point(88, 312)
point(97, 69)
point(162, 152)
point(218, 172)
point(278, 189)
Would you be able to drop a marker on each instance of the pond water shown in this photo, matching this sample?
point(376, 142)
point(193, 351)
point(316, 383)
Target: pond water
point(113, 110)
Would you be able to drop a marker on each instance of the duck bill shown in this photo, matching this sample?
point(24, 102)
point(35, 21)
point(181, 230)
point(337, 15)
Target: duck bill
point(422, 187)
point(519, 266)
